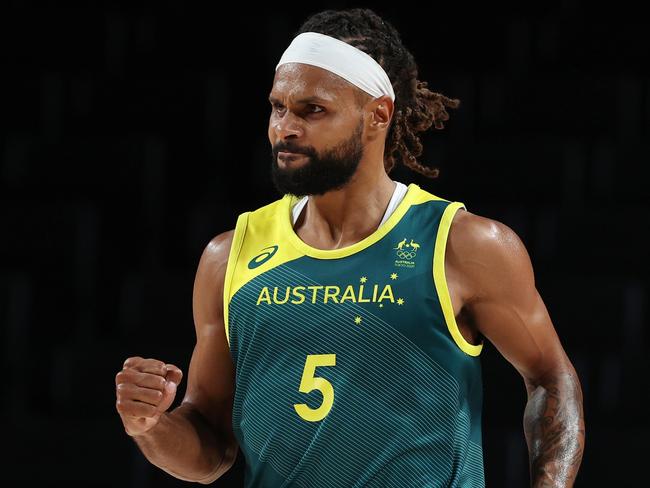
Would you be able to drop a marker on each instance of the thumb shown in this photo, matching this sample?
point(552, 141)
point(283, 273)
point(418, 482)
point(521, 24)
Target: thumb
point(173, 378)
point(173, 374)
point(169, 393)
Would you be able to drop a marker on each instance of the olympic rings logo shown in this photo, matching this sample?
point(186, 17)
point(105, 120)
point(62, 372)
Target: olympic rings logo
point(405, 254)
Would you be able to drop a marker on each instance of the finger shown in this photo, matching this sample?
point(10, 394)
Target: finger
point(131, 361)
point(128, 391)
point(148, 380)
point(133, 408)
point(153, 366)
point(174, 374)
point(145, 380)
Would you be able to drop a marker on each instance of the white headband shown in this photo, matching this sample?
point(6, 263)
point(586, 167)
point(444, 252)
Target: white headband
point(340, 58)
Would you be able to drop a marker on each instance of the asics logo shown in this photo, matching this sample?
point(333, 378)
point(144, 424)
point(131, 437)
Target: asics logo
point(262, 258)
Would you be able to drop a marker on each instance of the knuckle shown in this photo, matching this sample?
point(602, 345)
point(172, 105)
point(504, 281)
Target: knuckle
point(154, 365)
point(133, 360)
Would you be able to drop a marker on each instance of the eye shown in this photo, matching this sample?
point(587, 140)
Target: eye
point(320, 109)
point(277, 106)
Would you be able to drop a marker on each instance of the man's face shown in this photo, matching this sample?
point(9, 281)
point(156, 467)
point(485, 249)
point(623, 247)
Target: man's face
point(315, 130)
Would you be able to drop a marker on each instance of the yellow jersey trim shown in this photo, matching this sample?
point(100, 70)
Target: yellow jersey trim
point(264, 247)
point(440, 281)
point(414, 195)
point(235, 247)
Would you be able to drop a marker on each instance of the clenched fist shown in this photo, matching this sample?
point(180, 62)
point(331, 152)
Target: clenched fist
point(145, 388)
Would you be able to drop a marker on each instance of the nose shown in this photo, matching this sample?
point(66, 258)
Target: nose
point(287, 126)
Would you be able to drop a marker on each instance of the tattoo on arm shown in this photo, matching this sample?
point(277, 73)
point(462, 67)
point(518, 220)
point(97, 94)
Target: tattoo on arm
point(555, 430)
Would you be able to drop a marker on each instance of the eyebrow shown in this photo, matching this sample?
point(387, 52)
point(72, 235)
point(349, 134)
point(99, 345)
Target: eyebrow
point(313, 99)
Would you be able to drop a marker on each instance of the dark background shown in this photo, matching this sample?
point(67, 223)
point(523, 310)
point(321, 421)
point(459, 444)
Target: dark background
point(133, 135)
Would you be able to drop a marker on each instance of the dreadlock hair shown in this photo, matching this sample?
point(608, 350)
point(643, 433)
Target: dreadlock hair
point(416, 107)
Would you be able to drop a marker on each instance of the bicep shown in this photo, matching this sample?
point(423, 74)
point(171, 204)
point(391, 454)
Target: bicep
point(210, 384)
point(507, 307)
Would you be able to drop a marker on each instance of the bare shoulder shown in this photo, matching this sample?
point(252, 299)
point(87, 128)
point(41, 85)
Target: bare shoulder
point(470, 230)
point(210, 275)
point(218, 249)
point(487, 251)
point(215, 256)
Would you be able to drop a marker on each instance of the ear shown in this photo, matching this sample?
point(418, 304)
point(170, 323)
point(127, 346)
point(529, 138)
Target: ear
point(381, 112)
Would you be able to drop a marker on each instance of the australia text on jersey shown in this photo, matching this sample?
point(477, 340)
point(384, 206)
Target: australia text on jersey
point(355, 294)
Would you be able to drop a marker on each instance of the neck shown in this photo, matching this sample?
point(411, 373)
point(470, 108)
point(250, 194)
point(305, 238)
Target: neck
point(343, 217)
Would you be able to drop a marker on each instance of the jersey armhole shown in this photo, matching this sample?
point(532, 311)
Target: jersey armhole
point(233, 255)
point(440, 280)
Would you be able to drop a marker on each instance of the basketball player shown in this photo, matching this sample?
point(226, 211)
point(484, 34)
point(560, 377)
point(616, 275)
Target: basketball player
point(339, 328)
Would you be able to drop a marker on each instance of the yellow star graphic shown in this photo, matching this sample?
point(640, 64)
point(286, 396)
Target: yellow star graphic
point(357, 320)
point(393, 276)
point(400, 301)
point(363, 279)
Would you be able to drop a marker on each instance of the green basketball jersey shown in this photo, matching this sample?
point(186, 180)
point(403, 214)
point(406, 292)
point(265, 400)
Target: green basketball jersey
point(350, 367)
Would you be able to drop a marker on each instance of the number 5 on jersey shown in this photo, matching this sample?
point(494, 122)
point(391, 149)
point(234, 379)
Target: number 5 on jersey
point(310, 382)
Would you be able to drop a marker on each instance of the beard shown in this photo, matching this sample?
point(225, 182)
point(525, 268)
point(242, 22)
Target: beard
point(330, 170)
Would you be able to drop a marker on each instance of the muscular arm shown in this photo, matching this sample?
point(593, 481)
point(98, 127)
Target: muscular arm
point(194, 442)
point(505, 306)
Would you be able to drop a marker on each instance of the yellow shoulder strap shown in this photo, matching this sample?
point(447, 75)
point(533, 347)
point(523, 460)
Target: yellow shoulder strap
point(237, 241)
point(440, 280)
